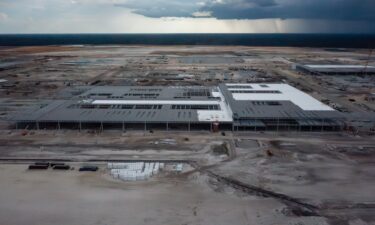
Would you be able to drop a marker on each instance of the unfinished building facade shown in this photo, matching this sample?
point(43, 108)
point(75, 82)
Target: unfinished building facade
point(225, 107)
point(336, 69)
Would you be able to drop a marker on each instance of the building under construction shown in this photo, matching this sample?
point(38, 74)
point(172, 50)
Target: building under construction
point(336, 69)
point(225, 107)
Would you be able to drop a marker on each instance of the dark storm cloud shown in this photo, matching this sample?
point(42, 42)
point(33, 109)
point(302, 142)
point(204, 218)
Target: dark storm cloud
point(257, 9)
point(295, 9)
point(162, 8)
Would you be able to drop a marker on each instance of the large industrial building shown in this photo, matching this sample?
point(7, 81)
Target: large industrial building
point(336, 69)
point(224, 107)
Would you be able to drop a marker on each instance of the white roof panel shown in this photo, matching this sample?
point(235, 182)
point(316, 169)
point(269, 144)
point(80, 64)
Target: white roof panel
point(288, 93)
point(152, 102)
point(223, 115)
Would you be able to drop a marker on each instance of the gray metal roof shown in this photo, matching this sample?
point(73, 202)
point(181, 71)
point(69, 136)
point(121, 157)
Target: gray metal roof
point(60, 111)
point(80, 108)
point(69, 110)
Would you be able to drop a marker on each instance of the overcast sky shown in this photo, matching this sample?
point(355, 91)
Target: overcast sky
point(187, 16)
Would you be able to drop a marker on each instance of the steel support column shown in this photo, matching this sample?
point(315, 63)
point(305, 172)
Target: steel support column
point(277, 126)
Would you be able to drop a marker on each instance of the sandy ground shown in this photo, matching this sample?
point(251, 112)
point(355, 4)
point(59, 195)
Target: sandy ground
point(70, 197)
point(334, 173)
point(324, 175)
point(308, 171)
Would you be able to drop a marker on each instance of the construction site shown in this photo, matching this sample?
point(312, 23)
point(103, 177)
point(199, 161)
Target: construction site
point(231, 107)
point(186, 135)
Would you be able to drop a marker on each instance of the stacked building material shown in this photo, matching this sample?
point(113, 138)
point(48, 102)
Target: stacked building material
point(133, 171)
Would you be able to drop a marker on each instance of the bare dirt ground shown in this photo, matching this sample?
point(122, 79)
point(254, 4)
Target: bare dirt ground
point(51, 197)
point(285, 179)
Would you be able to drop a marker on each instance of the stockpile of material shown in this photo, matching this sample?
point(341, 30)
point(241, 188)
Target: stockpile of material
point(128, 166)
point(134, 171)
